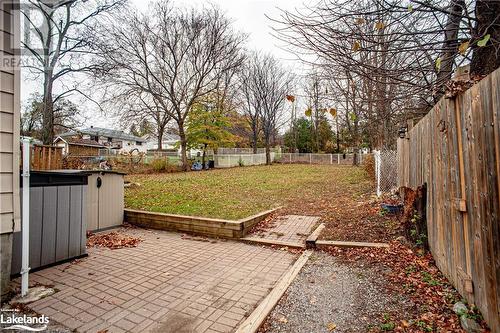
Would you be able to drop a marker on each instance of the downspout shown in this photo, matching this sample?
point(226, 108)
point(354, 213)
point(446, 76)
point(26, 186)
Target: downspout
point(25, 216)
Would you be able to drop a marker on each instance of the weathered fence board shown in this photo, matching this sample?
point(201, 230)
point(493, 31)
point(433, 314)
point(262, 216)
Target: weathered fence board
point(46, 158)
point(455, 149)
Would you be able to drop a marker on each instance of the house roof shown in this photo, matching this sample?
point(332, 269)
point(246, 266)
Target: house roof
point(80, 142)
point(105, 132)
point(171, 137)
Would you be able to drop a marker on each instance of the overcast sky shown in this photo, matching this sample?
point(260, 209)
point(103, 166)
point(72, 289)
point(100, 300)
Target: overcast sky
point(249, 16)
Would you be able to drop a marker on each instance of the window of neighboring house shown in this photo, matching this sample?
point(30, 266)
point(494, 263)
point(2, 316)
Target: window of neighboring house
point(138, 143)
point(94, 137)
point(110, 139)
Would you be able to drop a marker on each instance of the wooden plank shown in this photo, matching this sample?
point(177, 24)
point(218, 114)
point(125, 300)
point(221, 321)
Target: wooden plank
point(495, 90)
point(313, 237)
point(257, 317)
point(469, 180)
point(320, 243)
point(475, 142)
point(264, 241)
point(490, 211)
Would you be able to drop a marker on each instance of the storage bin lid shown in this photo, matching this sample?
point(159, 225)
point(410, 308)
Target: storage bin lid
point(57, 178)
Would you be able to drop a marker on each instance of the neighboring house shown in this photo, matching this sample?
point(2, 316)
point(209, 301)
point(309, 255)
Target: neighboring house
point(78, 147)
point(115, 140)
point(9, 139)
point(170, 141)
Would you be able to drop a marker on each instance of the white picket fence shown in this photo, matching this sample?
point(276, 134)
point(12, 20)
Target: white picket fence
point(233, 160)
point(310, 158)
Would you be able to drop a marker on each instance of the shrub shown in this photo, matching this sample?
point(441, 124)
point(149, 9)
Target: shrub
point(369, 165)
point(160, 165)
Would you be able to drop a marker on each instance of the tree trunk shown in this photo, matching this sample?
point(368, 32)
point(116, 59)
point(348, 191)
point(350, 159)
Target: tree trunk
point(48, 112)
point(355, 160)
point(203, 157)
point(254, 143)
point(182, 136)
point(450, 46)
point(161, 130)
point(268, 153)
point(485, 59)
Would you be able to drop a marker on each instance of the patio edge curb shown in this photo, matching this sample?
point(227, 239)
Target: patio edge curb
point(257, 317)
point(326, 243)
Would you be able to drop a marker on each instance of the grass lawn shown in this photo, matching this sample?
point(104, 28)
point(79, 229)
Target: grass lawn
point(240, 192)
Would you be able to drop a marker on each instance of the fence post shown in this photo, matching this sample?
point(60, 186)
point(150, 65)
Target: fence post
point(338, 158)
point(290, 156)
point(376, 155)
point(310, 158)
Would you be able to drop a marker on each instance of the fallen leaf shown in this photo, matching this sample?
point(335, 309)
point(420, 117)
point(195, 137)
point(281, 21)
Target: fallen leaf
point(482, 42)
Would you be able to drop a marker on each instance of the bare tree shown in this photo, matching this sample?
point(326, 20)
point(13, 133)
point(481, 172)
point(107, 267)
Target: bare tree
point(388, 59)
point(59, 45)
point(67, 115)
point(175, 56)
point(269, 83)
point(249, 100)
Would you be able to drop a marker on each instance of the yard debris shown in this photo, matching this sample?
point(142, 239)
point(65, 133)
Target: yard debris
point(263, 226)
point(73, 262)
point(331, 326)
point(198, 238)
point(457, 87)
point(411, 272)
point(112, 240)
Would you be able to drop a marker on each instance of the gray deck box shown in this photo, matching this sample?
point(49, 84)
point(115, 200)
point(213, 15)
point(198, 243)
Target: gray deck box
point(58, 219)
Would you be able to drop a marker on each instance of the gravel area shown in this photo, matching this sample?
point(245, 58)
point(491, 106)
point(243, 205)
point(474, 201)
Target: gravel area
point(329, 296)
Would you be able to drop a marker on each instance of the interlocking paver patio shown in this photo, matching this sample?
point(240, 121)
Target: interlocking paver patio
point(165, 284)
point(287, 228)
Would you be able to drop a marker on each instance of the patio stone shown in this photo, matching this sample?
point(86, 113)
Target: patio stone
point(164, 284)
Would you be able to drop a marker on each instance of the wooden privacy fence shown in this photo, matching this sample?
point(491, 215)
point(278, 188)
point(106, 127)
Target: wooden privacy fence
point(45, 157)
point(455, 149)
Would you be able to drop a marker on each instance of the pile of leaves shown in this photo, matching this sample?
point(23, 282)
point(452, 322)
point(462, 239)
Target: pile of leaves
point(112, 240)
point(360, 219)
point(457, 87)
point(411, 272)
point(264, 225)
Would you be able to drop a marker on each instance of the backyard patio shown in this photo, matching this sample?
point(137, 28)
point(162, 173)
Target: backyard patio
point(168, 283)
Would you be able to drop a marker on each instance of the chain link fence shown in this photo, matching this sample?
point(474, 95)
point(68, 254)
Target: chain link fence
point(386, 170)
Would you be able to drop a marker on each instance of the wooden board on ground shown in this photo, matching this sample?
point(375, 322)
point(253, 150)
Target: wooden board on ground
point(253, 322)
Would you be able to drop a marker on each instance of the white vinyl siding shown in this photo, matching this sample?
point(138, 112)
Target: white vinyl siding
point(9, 127)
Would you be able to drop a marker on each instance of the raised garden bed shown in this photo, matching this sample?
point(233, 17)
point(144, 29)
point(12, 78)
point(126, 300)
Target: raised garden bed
point(194, 224)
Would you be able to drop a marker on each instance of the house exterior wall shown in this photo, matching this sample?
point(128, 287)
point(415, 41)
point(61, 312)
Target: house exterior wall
point(124, 145)
point(9, 140)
